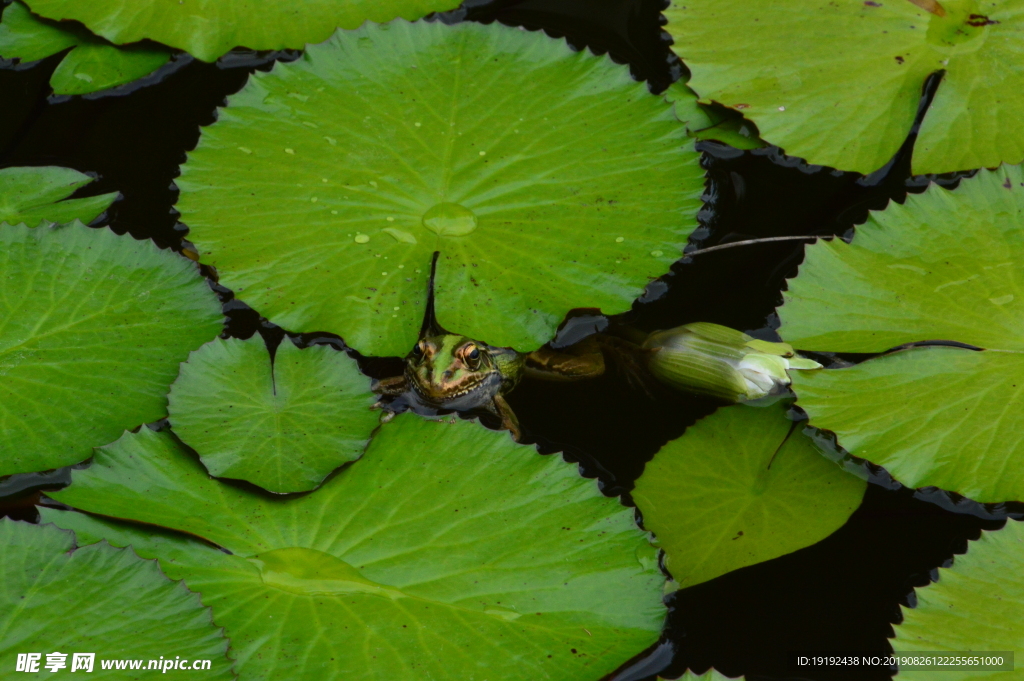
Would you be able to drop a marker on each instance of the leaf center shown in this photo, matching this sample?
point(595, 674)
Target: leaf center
point(449, 219)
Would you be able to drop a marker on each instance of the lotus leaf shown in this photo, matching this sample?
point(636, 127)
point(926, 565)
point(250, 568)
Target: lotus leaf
point(977, 605)
point(705, 122)
point(93, 64)
point(92, 328)
point(944, 266)
point(31, 195)
point(547, 179)
point(282, 425)
point(738, 489)
point(96, 599)
point(209, 28)
point(446, 552)
point(843, 81)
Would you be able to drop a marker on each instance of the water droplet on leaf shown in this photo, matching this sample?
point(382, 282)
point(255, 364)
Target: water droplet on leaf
point(309, 572)
point(400, 235)
point(450, 219)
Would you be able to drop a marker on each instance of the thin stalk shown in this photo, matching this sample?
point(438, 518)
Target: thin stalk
point(722, 247)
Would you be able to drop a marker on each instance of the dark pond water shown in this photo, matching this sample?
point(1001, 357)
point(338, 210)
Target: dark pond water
point(841, 594)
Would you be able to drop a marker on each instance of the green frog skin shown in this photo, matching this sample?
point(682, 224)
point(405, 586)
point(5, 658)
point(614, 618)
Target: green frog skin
point(450, 371)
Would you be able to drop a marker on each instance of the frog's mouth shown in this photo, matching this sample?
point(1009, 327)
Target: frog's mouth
point(472, 391)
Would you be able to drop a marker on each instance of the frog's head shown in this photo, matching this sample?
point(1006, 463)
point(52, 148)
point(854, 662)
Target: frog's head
point(450, 371)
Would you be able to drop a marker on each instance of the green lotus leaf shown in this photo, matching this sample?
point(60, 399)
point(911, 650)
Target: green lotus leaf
point(739, 489)
point(92, 65)
point(844, 79)
point(943, 266)
point(282, 425)
point(32, 194)
point(931, 416)
point(24, 37)
point(977, 605)
point(209, 28)
point(446, 550)
point(92, 328)
point(734, 131)
point(705, 122)
point(96, 599)
point(547, 179)
point(97, 66)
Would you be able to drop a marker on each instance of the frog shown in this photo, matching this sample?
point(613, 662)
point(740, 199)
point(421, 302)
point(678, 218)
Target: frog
point(451, 371)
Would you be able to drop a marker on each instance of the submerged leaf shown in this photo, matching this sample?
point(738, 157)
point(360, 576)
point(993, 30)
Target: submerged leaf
point(24, 37)
point(93, 64)
point(92, 328)
point(944, 266)
point(32, 194)
point(284, 426)
point(712, 122)
point(98, 599)
point(738, 489)
point(843, 80)
point(976, 605)
point(209, 29)
point(97, 66)
point(547, 179)
point(446, 549)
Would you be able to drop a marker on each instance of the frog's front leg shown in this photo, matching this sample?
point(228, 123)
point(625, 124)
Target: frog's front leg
point(388, 387)
point(391, 387)
point(502, 410)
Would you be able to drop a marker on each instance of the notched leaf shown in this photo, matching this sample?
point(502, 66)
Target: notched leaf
point(446, 544)
point(404, 181)
point(282, 425)
point(942, 267)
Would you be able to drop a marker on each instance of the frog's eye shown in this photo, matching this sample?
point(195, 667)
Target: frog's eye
point(471, 353)
point(418, 349)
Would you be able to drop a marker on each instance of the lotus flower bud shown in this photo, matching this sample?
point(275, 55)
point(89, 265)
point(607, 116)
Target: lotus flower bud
point(715, 360)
